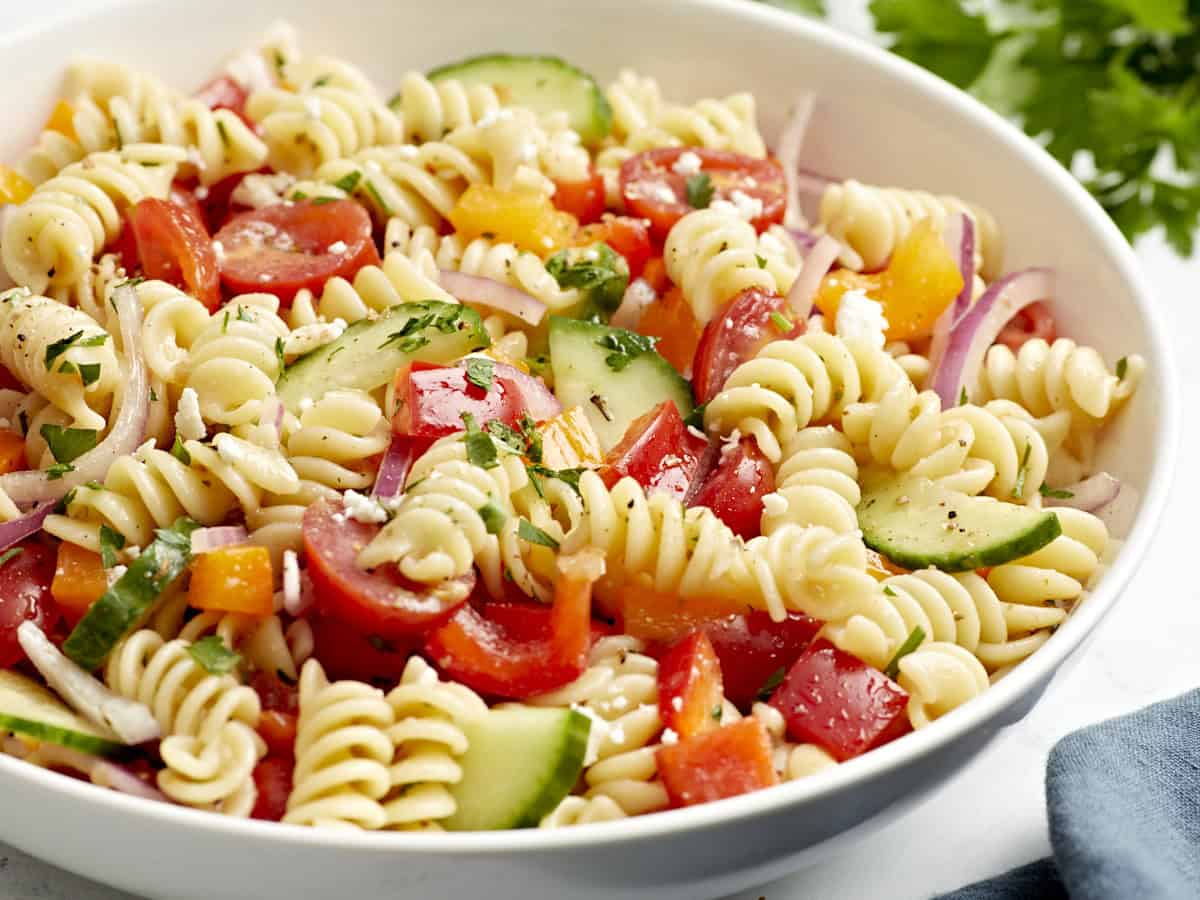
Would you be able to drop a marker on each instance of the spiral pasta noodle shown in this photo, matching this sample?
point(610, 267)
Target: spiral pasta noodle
point(713, 255)
point(431, 109)
point(792, 761)
point(871, 221)
point(62, 354)
point(428, 740)
point(50, 240)
point(259, 639)
point(939, 677)
point(816, 483)
point(793, 383)
point(343, 753)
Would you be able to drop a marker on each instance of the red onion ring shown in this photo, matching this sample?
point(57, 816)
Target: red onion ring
point(791, 141)
point(30, 523)
point(960, 237)
point(820, 259)
point(975, 332)
point(128, 429)
point(397, 461)
point(206, 539)
point(494, 295)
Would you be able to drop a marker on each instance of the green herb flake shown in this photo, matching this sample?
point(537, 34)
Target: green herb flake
point(96, 340)
point(68, 444)
point(717, 712)
point(481, 450)
point(223, 132)
point(506, 435)
point(598, 271)
point(695, 419)
point(66, 367)
point(962, 397)
point(1055, 493)
point(774, 680)
point(110, 542)
point(378, 198)
point(279, 356)
point(570, 477)
point(532, 437)
point(243, 315)
point(781, 322)
point(887, 589)
point(626, 346)
point(89, 373)
point(481, 372)
point(529, 532)
point(349, 181)
point(180, 452)
point(1122, 367)
point(58, 470)
point(153, 395)
point(321, 201)
point(493, 517)
point(911, 643)
point(58, 348)
point(1019, 485)
point(298, 196)
point(211, 654)
point(761, 260)
point(10, 553)
point(441, 317)
point(699, 191)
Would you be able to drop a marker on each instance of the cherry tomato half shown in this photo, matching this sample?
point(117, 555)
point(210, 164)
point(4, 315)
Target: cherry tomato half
point(25, 580)
point(225, 93)
point(657, 452)
point(288, 247)
point(582, 199)
point(654, 190)
point(629, 237)
point(378, 602)
point(736, 333)
point(173, 246)
point(1034, 321)
point(734, 490)
point(346, 652)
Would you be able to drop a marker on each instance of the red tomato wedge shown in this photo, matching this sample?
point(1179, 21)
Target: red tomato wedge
point(735, 488)
point(629, 237)
point(582, 199)
point(431, 399)
point(1034, 321)
point(278, 730)
point(735, 759)
point(346, 652)
point(755, 651)
point(525, 621)
point(690, 688)
point(658, 452)
point(25, 580)
point(484, 656)
point(838, 702)
point(173, 246)
point(378, 602)
point(224, 93)
point(653, 190)
point(744, 326)
point(288, 247)
point(273, 781)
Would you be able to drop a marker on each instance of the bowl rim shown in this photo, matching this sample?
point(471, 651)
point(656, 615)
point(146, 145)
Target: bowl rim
point(878, 763)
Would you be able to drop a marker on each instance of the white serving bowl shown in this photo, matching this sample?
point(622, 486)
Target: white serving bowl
point(879, 120)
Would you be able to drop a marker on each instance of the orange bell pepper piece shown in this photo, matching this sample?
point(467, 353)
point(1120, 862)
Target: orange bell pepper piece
point(12, 452)
point(569, 442)
point(734, 759)
point(671, 320)
point(79, 580)
point(233, 579)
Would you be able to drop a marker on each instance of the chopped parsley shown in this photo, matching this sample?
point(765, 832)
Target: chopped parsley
point(279, 356)
point(717, 712)
point(211, 654)
point(493, 517)
point(481, 372)
point(537, 365)
point(180, 452)
point(699, 191)
point(774, 680)
point(1122, 367)
point(695, 419)
point(349, 181)
point(243, 315)
point(96, 340)
point(110, 542)
point(911, 643)
point(68, 444)
point(1019, 485)
point(782, 322)
point(761, 260)
point(887, 589)
point(962, 396)
point(626, 346)
point(321, 201)
point(1055, 493)
point(597, 270)
point(527, 531)
point(58, 470)
point(10, 553)
point(58, 348)
point(569, 477)
point(441, 317)
point(506, 435)
point(89, 373)
point(481, 450)
point(379, 201)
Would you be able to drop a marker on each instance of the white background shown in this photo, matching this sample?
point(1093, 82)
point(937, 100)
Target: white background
point(992, 816)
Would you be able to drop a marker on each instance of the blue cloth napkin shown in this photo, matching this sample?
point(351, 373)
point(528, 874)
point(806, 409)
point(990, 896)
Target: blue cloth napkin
point(1123, 799)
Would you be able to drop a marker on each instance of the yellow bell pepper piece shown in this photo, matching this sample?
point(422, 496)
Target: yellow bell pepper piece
point(62, 120)
point(233, 579)
point(13, 187)
point(524, 218)
point(568, 441)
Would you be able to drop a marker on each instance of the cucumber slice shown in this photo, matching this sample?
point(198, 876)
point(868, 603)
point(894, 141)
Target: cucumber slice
point(611, 397)
point(368, 353)
point(520, 762)
point(28, 708)
point(916, 524)
point(124, 605)
point(541, 83)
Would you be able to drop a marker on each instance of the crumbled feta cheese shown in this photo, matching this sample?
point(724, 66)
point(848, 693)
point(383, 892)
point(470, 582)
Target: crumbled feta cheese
point(230, 449)
point(257, 191)
point(189, 424)
point(219, 250)
point(730, 444)
point(598, 732)
point(861, 318)
point(663, 193)
point(201, 192)
point(291, 582)
point(337, 247)
point(769, 245)
point(669, 737)
point(307, 338)
point(748, 207)
point(362, 508)
point(677, 704)
point(687, 164)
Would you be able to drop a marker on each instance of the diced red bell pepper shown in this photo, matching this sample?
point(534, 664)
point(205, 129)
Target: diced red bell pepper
point(838, 702)
point(526, 621)
point(735, 759)
point(273, 779)
point(690, 691)
point(658, 452)
point(484, 656)
point(735, 488)
point(754, 650)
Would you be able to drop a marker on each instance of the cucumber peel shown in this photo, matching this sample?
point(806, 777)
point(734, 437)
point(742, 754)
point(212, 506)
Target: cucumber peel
point(28, 708)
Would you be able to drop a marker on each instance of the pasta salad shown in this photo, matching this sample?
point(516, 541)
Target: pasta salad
point(513, 452)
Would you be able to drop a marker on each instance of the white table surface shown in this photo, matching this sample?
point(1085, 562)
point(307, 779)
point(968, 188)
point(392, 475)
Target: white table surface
point(992, 816)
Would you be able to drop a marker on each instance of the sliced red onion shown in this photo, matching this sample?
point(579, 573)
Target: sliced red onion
point(126, 434)
point(30, 523)
point(960, 237)
point(206, 539)
point(803, 239)
point(494, 295)
point(791, 141)
point(637, 299)
point(1090, 495)
point(397, 461)
point(971, 337)
point(123, 781)
point(804, 289)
